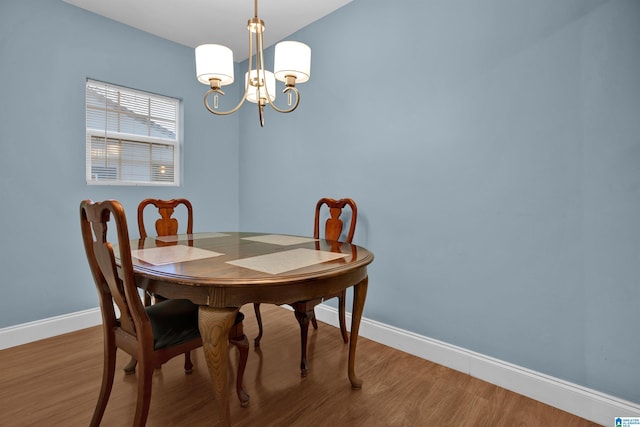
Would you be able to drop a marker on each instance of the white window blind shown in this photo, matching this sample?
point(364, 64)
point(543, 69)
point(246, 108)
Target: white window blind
point(132, 136)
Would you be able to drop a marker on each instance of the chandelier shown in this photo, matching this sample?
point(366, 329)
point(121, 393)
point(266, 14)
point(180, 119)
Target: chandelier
point(292, 64)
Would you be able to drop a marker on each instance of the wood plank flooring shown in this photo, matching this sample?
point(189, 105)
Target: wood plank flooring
point(55, 382)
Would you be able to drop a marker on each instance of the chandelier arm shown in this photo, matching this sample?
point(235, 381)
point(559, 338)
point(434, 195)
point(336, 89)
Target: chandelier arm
point(222, 113)
point(260, 65)
point(247, 83)
point(246, 87)
point(295, 104)
point(260, 61)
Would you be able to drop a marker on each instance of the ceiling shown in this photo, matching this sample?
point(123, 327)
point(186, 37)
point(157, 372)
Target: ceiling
point(194, 22)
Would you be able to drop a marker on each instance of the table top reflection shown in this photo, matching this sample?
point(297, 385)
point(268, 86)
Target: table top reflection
point(242, 262)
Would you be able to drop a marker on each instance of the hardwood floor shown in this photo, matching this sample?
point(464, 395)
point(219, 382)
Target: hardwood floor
point(55, 382)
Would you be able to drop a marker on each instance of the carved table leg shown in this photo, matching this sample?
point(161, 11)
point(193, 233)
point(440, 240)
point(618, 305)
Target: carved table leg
point(359, 295)
point(215, 324)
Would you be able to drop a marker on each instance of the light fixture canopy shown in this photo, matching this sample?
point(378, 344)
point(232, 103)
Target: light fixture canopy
point(292, 64)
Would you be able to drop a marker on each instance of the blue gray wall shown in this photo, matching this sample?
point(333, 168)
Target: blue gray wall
point(47, 51)
point(493, 149)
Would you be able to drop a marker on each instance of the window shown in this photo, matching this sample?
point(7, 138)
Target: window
point(132, 136)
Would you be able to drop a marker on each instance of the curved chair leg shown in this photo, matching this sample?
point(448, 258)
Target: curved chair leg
point(188, 366)
point(108, 372)
point(303, 319)
point(145, 376)
point(256, 308)
point(242, 343)
point(342, 317)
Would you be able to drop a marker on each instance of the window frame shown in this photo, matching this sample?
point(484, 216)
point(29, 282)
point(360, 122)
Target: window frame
point(128, 143)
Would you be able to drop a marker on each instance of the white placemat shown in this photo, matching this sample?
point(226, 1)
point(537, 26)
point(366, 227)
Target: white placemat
point(280, 262)
point(172, 254)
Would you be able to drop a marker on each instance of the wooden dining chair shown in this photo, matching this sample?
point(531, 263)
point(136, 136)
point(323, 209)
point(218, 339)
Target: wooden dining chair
point(166, 225)
point(152, 335)
point(304, 310)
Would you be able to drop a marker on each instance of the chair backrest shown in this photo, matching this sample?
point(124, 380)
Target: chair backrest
point(334, 225)
point(165, 225)
point(113, 286)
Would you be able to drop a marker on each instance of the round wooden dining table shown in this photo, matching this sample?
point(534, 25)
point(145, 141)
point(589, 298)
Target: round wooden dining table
point(222, 271)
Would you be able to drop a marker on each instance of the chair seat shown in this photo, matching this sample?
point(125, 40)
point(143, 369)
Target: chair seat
point(175, 321)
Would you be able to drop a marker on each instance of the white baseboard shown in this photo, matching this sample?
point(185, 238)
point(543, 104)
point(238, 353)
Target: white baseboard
point(581, 401)
point(575, 399)
point(46, 328)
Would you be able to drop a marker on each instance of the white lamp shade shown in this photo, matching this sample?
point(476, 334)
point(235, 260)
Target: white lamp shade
point(292, 59)
point(214, 61)
point(252, 94)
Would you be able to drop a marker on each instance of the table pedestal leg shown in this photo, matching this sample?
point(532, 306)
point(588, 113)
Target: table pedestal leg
point(359, 295)
point(215, 324)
